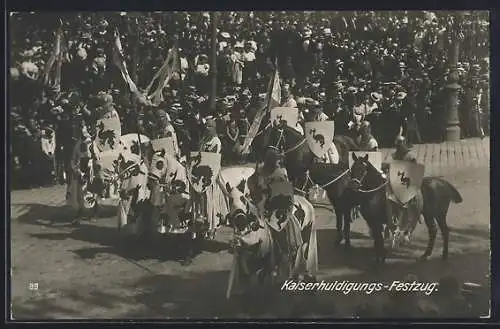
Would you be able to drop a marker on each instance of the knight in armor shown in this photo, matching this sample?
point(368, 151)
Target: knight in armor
point(394, 206)
point(289, 239)
point(317, 113)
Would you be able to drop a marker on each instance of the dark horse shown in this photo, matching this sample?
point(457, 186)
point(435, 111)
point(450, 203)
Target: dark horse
point(304, 173)
point(369, 186)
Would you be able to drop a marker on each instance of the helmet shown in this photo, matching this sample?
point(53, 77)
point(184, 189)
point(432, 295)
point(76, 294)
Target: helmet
point(400, 140)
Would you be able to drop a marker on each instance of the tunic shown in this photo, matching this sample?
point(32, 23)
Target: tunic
point(292, 231)
point(407, 214)
point(216, 204)
point(77, 188)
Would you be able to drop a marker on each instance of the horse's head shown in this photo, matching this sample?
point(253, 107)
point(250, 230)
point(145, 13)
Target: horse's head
point(362, 172)
point(132, 171)
point(274, 137)
point(239, 207)
point(359, 171)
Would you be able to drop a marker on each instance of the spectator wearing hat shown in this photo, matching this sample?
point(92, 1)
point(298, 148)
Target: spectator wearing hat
point(250, 65)
point(409, 120)
point(238, 63)
point(317, 113)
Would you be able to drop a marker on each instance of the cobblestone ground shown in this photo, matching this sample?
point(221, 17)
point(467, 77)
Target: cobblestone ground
point(89, 271)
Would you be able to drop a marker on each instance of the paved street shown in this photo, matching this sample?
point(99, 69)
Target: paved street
point(90, 272)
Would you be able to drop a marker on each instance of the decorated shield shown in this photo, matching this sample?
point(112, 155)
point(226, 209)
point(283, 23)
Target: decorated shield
point(203, 169)
point(167, 144)
point(108, 132)
point(107, 162)
point(319, 136)
point(288, 114)
point(279, 205)
point(237, 176)
point(375, 158)
point(405, 178)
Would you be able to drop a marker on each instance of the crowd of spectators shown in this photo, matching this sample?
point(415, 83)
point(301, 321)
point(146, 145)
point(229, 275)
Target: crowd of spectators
point(395, 64)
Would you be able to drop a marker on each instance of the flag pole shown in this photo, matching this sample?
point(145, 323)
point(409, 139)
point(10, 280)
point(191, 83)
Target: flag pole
point(213, 68)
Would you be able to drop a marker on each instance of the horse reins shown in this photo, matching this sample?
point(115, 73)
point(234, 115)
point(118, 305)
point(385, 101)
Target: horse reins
point(293, 148)
point(361, 180)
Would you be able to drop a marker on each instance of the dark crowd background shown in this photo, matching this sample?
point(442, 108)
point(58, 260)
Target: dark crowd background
point(342, 60)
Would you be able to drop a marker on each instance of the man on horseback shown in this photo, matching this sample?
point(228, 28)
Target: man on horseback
point(289, 239)
point(405, 215)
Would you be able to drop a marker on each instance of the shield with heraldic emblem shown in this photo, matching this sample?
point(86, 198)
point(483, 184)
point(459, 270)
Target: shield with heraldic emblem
point(165, 143)
point(375, 158)
point(108, 133)
point(405, 178)
point(203, 169)
point(289, 115)
point(319, 136)
point(279, 204)
point(107, 162)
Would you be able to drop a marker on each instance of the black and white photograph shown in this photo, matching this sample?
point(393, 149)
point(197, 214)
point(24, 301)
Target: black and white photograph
point(249, 165)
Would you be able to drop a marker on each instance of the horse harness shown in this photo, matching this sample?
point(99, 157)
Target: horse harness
point(282, 138)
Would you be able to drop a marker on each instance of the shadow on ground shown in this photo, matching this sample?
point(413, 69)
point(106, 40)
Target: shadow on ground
point(202, 296)
point(45, 215)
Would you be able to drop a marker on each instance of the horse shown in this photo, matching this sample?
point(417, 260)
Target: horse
point(252, 243)
point(167, 180)
point(304, 173)
point(171, 203)
point(369, 184)
point(251, 230)
point(132, 172)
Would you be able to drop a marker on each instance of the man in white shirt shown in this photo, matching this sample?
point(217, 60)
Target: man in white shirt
point(288, 98)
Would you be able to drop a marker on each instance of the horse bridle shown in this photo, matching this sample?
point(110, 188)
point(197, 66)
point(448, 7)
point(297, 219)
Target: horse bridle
point(361, 180)
point(308, 180)
point(282, 138)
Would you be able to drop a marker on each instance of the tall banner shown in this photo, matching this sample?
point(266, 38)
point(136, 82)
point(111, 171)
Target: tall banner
point(163, 76)
point(119, 61)
point(52, 72)
point(273, 100)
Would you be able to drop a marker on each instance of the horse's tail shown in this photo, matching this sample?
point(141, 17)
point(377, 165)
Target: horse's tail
point(455, 196)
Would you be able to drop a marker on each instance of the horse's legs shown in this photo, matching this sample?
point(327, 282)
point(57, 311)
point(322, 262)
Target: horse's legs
point(379, 244)
point(432, 229)
point(445, 231)
point(339, 218)
point(347, 228)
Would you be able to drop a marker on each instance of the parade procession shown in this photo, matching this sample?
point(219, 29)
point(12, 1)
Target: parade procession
point(189, 126)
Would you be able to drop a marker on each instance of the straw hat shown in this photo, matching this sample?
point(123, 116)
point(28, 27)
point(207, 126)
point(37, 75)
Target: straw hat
point(401, 95)
point(376, 97)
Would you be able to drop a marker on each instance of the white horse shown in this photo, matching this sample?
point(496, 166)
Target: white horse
point(254, 245)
